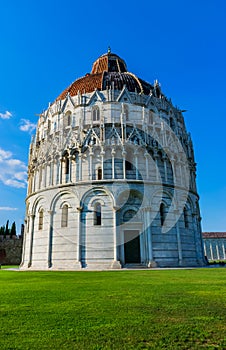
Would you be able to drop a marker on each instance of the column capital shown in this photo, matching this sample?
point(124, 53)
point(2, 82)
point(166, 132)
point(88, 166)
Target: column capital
point(115, 207)
point(146, 209)
point(79, 209)
point(176, 211)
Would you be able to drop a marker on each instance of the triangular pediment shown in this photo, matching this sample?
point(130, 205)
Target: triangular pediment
point(150, 103)
point(124, 96)
point(135, 137)
point(113, 136)
point(96, 97)
point(91, 138)
point(68, 104)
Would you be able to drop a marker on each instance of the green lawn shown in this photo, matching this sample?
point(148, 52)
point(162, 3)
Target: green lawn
point(148, 309)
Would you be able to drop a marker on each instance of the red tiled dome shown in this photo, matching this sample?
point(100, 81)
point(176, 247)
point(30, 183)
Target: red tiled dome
point(108, 71)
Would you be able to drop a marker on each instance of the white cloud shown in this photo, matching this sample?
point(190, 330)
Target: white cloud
point(8, 208)
point(4, 154)
point(6, 115)
point(27, 125)
point(13, 172)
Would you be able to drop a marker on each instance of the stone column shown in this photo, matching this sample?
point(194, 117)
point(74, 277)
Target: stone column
point(204, 246)
point(40, 177)
point(70, 168)
point(51, 172)
point(55, 171)
point(124, 163)
point(60, 169)
point(78, 253)
point(49, 261)
point(63, 174)
point(45, 175)
point(113, 163)
point(91, 164)
point(217, 249)
point(102, 153)
point(116, 263)
point(223, 248)
point(32, 217)
point(151, 262)
point(145, 236)
point(136, 164)
point(180, 165)
point(73, 169)
point(34, 180)
point(179, 247)
point(147, 165)
point(165, 169)
point(158, 175)
point(172, 161)
point(211, 251)
point(80, 167)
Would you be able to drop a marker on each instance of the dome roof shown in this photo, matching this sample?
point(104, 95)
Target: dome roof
point(108, 71)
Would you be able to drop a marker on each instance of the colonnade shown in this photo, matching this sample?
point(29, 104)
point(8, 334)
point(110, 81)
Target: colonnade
point(214, 250)
point(93, 165)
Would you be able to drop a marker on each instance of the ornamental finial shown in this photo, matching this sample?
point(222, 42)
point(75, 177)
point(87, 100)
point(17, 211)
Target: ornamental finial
point(109, 49)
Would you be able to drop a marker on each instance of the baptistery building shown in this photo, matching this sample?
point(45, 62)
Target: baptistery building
point(111, 178)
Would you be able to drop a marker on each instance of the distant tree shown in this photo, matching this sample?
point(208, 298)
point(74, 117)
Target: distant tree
point(2, 231)
point(13, 230)
point(7, 232)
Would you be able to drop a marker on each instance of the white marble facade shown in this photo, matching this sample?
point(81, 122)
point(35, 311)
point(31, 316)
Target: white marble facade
point(111, 178)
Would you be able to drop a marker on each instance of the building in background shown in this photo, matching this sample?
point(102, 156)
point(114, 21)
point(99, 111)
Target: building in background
point(112, 178)
point(214, 245)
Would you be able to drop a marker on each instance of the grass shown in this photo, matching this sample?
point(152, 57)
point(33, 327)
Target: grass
point(9, 267)
point(166, 309)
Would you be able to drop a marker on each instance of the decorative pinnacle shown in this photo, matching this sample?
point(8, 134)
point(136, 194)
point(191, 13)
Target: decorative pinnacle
point(109, 49)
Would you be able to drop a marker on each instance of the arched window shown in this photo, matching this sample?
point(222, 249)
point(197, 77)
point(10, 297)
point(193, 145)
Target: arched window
point(129, 166)
point(40, 219)
point(49, 125)
point(67, 164)
point(99, 174)
point(64, 216)
point(97, 214)
point(95, 114)
point(67, 119)
point(150, 120)
point(186, 222)
point(162, 213)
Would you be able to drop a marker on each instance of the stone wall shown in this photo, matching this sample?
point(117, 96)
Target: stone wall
point(10, 250)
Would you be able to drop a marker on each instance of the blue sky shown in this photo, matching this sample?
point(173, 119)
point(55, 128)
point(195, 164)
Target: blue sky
point(45, 45)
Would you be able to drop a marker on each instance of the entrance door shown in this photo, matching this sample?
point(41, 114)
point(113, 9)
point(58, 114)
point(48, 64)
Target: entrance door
point(132, 246)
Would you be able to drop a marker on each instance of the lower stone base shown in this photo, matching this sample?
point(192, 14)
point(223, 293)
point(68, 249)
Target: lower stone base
point(116, 265)
point(97, 265)
point(152, 264)
point(58, 266)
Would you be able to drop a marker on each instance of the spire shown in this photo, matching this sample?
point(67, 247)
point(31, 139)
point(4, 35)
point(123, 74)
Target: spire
point(109, 49)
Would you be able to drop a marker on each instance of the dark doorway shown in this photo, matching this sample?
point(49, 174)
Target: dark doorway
point(132, 246)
